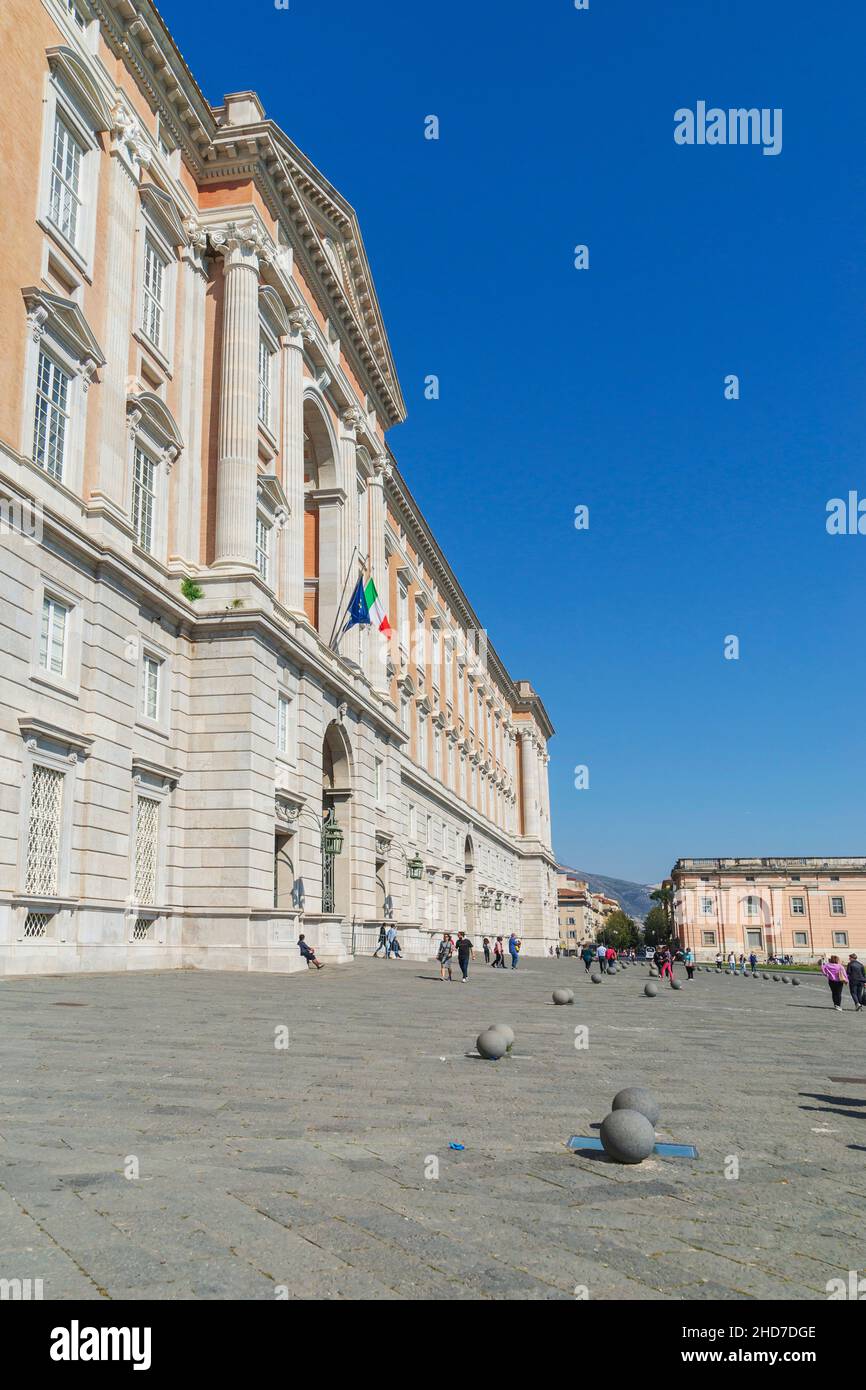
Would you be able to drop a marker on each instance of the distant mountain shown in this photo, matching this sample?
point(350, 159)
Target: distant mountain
point(634, 898)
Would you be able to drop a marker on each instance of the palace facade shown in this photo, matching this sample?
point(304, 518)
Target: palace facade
point(805, 908)
point(195, 390)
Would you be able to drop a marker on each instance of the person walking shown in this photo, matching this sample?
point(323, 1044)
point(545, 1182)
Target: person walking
point(753, 961)
point(586, 956)
point(856, 981)
point(309, 954)
point(498, 954)
point(718, 960)
point(667, 972)
point(836, 978)
point(732, 963)
point(690, 963)
point(465, 953)
point(392, 945)
point(513, 949)
point(486, 948)
point(380, 946)
point(601, 958)
point(444, 955)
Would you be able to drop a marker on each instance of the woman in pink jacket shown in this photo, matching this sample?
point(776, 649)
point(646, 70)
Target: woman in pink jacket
point(836, 978)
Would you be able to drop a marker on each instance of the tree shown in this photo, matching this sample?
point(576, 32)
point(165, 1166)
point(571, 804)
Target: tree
point(664, 896)
point(619, 931)
point(656, 928)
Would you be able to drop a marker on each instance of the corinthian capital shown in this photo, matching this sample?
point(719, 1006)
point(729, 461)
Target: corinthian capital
point(382, 468)
point(302, 324)
point(243, 239)
point(351, 418)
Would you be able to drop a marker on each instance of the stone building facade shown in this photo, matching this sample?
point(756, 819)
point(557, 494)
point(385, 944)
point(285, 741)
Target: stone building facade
point(195, 390)
point(804, 908)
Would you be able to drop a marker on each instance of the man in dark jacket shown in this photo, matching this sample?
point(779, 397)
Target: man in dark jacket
point(309, 954)
point(856, 981)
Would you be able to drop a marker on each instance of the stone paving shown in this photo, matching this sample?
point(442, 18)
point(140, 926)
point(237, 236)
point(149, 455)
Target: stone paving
point(306, 1171)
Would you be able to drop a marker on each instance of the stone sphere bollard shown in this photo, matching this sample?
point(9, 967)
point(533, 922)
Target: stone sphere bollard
point(765, 977)
point(491, 1044)
point(676, 984)
point(506, 1030)
point(596, 979)
point(627, 1136)
point(786, 979)
point(640, 1099)
point(650, 989)
point(653, 971)
point(795, 981)
point(563, 996)
point(776, 978)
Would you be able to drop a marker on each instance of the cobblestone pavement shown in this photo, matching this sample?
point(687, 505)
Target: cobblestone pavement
point(307, 1169)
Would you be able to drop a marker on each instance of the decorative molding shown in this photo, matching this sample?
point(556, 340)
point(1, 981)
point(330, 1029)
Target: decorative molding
point(68, 68)
point(63, 318)
point(39, 731)
point(164, 213)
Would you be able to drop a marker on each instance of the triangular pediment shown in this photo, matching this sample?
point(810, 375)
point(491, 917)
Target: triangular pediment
point(64, 319)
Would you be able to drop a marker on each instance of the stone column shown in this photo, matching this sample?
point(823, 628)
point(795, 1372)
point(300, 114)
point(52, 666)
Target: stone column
point(237, 467)
point(129, 154)
point(544, 762)
point(377, 650)
point(187, 477)
point(292, 568)
point(529, 785)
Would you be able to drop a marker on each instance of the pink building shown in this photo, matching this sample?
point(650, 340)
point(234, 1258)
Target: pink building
point(801, 907)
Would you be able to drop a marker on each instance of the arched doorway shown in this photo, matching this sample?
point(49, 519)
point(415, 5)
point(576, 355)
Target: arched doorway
point(469, 887)
point(337, 806)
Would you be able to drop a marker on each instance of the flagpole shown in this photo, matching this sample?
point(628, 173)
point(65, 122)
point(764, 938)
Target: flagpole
point(340, 613)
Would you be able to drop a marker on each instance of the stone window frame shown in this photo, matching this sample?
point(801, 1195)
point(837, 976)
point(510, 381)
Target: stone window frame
point(843, 912)
point(152, 429)
point(159, 224)
point(289, 755)
point(838, 934)
point(796, 911)
point(48, 745)
point(151, 782)
point(161, 726)
point(70, 682)
point(71, 94)
point(801, 945)
point(57, 327)
point(708, 937)
point(86, 34)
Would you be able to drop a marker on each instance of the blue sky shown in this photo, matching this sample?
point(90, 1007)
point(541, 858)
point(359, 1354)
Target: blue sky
point(605, 387)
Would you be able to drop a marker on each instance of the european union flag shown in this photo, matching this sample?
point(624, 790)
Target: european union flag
point(358, 611)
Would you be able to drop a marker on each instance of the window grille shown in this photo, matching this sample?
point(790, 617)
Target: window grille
point(141, 929)
point(36, 925)
point(146, 849)
point(43, 839)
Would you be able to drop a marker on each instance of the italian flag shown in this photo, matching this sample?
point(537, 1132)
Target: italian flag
point(378, 616)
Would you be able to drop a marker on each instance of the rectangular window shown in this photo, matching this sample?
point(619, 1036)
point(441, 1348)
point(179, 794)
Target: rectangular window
point(146, 849)
point(801, 938)
point(404, 714)
point(154, 292)
point(43, 832)
point(707, 907)
point(65, 196)
point(429, 836)
point(437, 753)
point(403, 617)
point(751, 906)
point(837, 908)
point(284, 725)
point(798, 907)
point(413, 822)
point(708, 938)
point(263, 548)
point(265, 371)
point(754, 940)
point(143, 499)
point(434, 655)
point(379, 780)
point(840, 938)
point(422, 740)
point(75, 14)
point(150, 683)
point(52, 640)
point(52, 416)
